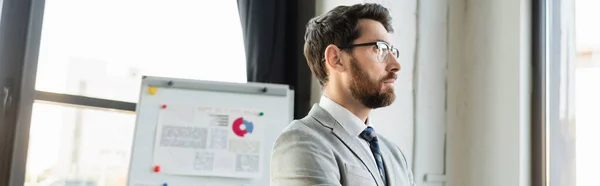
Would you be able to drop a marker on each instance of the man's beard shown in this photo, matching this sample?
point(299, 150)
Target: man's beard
point(367, 91)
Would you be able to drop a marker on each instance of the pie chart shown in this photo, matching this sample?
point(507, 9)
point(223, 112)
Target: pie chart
point(241, 127)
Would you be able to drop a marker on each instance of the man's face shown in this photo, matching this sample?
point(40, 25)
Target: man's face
point(371, 80)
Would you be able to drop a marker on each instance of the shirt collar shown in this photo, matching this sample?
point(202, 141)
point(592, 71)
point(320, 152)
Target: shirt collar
point(352, 124)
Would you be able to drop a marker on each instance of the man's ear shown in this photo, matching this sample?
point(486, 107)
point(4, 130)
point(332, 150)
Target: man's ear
point(333, 58)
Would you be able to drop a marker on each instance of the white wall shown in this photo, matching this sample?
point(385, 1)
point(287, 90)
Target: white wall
point(488, 93)
point(430, 92)
point(395, 122)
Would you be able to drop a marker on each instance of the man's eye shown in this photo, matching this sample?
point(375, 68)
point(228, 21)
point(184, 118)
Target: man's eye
point(384, 50)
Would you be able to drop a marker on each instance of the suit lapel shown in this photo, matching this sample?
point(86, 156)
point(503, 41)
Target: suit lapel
point(355, 146)
point(351, 142)
point(388, 164)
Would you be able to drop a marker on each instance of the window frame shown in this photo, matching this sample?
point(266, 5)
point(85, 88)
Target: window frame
point(15, 88)
point(35, 11)
point(538, 93)
point(552, 146)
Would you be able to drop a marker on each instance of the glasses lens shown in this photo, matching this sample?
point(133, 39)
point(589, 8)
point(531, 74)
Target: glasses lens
point(382, 52)
point(396, 53)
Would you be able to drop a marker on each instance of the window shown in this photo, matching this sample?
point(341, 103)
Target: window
point(572, 71)
point(78, 145)
point(587, 90)
point(99, 50)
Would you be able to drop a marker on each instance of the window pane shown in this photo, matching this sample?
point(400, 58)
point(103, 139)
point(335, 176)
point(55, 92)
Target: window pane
point(101, 48)
point(587, 91)
point(78, 146)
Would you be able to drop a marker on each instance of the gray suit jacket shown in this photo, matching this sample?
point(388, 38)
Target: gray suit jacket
point(317, 150)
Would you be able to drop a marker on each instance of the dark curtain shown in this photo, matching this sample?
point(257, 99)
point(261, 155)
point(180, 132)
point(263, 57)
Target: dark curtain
point(274, 42)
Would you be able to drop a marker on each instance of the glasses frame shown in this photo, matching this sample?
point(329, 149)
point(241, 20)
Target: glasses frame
point(393, 50)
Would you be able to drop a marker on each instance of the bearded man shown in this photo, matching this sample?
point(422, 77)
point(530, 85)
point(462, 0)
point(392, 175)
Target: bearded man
point(350, 52)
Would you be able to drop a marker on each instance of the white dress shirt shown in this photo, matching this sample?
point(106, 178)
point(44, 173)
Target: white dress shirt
point(350, 122)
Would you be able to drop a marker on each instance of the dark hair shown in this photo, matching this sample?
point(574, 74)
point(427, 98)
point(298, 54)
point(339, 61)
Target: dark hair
point(339, 27)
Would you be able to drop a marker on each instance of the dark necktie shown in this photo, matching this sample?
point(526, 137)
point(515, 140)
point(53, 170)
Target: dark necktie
point(369, 135)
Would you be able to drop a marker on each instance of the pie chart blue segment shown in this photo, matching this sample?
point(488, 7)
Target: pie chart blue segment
point(249, 126)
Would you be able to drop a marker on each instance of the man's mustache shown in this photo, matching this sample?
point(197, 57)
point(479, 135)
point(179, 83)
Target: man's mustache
point(389, 76)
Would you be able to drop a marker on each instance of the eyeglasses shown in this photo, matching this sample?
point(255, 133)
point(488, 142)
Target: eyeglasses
point(383, 49)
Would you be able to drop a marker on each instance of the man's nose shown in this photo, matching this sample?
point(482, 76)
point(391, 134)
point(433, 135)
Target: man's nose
point(393, 63)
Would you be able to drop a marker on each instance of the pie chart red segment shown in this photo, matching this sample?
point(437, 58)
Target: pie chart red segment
point(237, 127)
